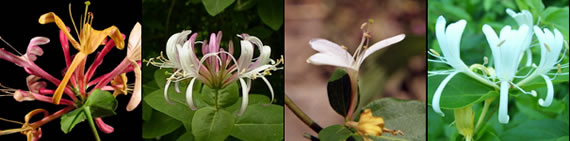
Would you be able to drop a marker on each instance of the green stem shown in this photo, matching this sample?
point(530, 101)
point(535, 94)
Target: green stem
point(483, 113)
point(301, 115)
point(91, 123)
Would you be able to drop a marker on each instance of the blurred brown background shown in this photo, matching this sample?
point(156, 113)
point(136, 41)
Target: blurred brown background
point(396, 71)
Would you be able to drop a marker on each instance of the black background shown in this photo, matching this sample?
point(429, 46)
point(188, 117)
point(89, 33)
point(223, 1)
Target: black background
point(20, 24)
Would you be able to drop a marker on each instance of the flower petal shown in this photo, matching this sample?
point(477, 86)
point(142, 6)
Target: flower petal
point(330, 59)
point(136, 97)
point(51, 18)
point(79, 57)
point(134, 46)
point(166, 91)
point(246, 55)
point(437, 94)
point(34, 50)
point(173, 41)
point(244, 98)
point(103, 126)
point(504, 103)
point(189, 91)
point(96, 37)
point(270, 88)
point(549, 92)
point(379, 45)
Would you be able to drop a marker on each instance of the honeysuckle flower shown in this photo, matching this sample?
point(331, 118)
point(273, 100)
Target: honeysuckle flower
point(550, 50)
point(524, 18)
point(33, 130)
point(134, 56)
point(449, 40)
point(370, 125)
point(89, 40)
point(249, 70)
point(507, 52)
point(332, 54)
point(214, 68)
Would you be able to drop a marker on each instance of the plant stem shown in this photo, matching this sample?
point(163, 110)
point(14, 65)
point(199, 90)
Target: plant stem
point(484, 112)
point(301, 115)
point(90, 119)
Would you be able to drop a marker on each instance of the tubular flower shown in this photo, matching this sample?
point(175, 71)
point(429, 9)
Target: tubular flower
point(370, 125)
point(551, 48)
point(332, 54)
point(507, 50)
point(33, 131)
point(89, 40)
point(216, 68)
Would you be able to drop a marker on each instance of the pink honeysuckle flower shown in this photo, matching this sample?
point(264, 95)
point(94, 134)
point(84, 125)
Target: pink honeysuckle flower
point(332, 54)
point(217, 68)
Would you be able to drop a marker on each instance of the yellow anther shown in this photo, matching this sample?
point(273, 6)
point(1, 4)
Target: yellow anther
point(547, 47)
point(343, 47)
point(434, 52)
point(500, 43)
point(559, 68)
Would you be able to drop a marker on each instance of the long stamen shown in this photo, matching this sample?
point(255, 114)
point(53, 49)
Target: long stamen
point(73, 22)
point(10, 46)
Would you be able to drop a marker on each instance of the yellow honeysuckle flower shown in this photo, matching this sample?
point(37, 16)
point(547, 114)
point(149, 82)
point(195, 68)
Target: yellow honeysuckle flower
point(89, 41)
point(370, 125)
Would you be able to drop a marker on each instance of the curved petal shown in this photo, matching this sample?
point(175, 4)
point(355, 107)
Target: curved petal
point(34, 50)
point(186, 56)
point(134, 44)
point(189, 91)
point(270, 88)
point(103, 126)
point(330, 59)
point(244, 98)
point(437, 94)
point(453, 34)
point(379, 45)
point(166, 91)
point(491, 36)
point(79, 57)
point(246, 55)
point(263, 58)
point(440, 32)
point(136, 97)
point(504, 103)
point(326, 46)
point(51, 18)
point(96, 37)
point(171, 51)
point(524, 17)
point(549, 92)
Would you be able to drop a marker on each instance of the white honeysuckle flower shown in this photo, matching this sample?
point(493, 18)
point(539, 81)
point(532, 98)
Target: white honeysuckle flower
point(524, 18)
point(449, 40)
point(248, 70)
point(507, 52)
point(551, 47)
point(332, 54)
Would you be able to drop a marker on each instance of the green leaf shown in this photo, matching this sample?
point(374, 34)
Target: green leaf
point(408, 116)
point(554, 17)
point(160, 76)
point(265, 120)
point(271, 13)
point(178, 110)
point(69, 120)
point(547, 129)
point(461, 91)
point(339, 92)
point(214, 7)
point(101, 103)
point(253, 99)
point(159, 125)
point(210, 124)
point(487, 4)
point(534, 6)
point(220, 97)
point(335, 133)
point(186, 137)
point(460, 13)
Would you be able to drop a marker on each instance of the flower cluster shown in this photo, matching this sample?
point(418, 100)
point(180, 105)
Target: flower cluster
point(508, 50)
point(78, 80)
point(216, 68)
